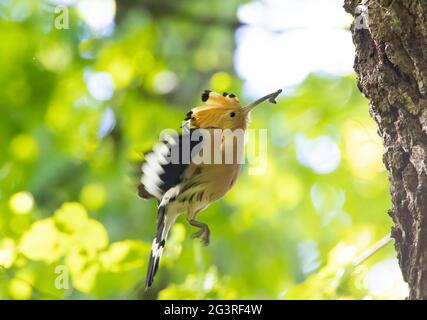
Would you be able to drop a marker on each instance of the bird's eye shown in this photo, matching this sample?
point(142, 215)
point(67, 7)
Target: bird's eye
point(232, 114)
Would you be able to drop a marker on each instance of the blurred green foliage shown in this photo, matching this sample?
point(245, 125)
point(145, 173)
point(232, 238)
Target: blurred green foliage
point(67, 193)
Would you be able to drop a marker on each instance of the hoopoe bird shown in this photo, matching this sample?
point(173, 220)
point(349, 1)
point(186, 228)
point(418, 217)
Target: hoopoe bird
point(190, 186)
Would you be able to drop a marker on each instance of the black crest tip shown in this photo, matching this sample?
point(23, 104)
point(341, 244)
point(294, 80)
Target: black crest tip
point(188, 115)
point(205, 95)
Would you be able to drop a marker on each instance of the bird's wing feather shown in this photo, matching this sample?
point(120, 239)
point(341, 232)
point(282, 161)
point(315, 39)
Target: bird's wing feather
point(159, 173)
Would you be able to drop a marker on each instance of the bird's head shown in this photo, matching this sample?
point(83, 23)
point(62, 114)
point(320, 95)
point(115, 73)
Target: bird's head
point(223, 111)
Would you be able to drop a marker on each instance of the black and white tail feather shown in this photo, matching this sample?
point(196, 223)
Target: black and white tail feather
point(163, 226)
point(156, 249)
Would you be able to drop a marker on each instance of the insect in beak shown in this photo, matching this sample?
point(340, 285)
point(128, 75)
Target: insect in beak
point(270, 97)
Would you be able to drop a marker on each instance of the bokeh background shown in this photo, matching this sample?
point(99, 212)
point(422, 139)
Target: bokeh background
point(79, 105)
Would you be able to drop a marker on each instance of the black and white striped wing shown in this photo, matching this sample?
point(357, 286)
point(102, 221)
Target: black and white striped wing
point(164, 166)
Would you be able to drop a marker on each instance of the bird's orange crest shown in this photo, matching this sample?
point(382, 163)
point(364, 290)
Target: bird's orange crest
point(220, 100)
point(218, 111)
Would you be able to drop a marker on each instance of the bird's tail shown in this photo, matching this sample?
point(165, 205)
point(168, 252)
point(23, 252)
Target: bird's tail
point(164, 223)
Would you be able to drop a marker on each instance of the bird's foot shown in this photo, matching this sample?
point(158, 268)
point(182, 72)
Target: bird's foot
point(206, 237)
point(203, 234)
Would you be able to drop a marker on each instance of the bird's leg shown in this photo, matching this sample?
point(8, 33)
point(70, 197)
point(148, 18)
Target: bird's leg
point(203, 233)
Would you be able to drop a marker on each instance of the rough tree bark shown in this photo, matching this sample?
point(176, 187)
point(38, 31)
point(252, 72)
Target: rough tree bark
point(391, 64)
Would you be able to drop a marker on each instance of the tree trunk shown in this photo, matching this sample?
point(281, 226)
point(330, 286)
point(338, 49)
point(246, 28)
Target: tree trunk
point(390, 37)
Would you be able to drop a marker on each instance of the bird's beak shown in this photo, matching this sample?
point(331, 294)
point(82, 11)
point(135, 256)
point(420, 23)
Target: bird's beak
point(271, 98)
